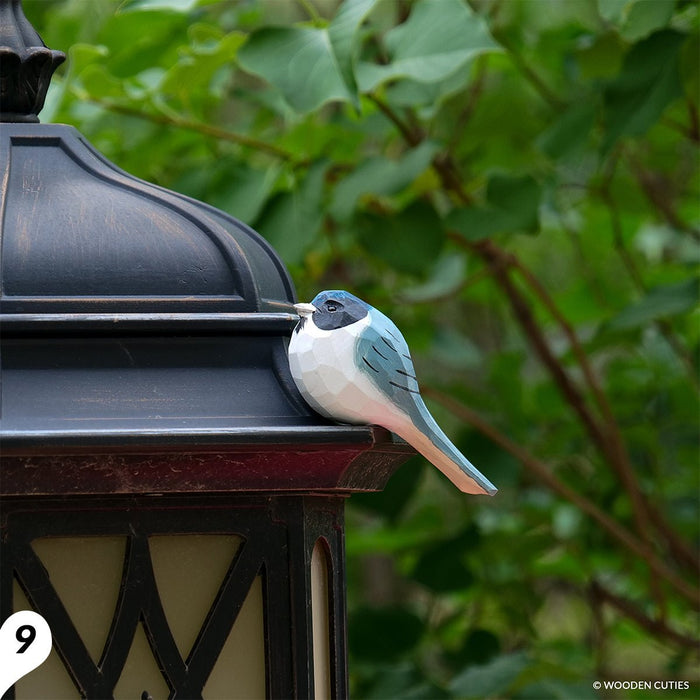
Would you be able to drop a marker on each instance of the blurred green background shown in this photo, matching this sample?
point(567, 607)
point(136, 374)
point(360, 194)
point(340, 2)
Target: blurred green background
point(514, 182)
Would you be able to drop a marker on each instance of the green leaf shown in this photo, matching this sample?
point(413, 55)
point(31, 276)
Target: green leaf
point(455, 350)
point(601, 57)
point(644, 17)
point(560, 564)
point(381, 176)
point(612, 10)
point(383, 634)
point(491, 679)
point(555, 689)
point(342, 33)
point(309, 65)
point(690, 68)
point(636, 19)
point(193, 73)
point(174, 5)
point(299, 62)
point(648, 82)
point(661, 302)
point(406, 241)
point(438, 39)
point(403, 681)
point(82, 55)
point(427, 96)
point(291, 221)
point(569, 133)
point(518, 198)
point(143, 39)
point(512, 206)
point(446, 278)
point(99, 82)
point(242, 190)
point(476, 223)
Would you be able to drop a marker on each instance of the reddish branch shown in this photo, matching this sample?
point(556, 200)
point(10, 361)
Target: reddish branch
point(498, 262)
point(614, 449)
point(656, 627)
point(694, 128)
point(658, 193)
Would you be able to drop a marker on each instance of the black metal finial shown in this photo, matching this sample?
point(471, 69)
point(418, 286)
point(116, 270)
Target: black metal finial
point(26, 65)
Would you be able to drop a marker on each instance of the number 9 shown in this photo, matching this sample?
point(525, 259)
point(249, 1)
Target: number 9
point(25, 634)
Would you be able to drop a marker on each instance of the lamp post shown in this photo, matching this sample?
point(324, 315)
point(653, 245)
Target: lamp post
point(169, 504)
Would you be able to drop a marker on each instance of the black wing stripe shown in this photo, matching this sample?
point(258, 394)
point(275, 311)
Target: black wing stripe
point(405, 388)
point(374, 347)
point(389, 345)
point(406, 374)
point(366, 361)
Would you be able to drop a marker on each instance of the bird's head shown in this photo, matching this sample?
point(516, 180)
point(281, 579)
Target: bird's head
point(333, 309)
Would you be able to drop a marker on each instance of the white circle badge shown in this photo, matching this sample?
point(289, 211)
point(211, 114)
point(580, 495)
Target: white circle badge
point(25, 642)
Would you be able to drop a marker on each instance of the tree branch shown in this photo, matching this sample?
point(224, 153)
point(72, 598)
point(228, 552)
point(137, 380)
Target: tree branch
point(628, 608)
point(633, 271)
point(498, 261)
point(411, 136)
point(475, 90)
point(694, 129)
point(656, 192)
point(198, 127)
point(443, 162)
point(619, 241)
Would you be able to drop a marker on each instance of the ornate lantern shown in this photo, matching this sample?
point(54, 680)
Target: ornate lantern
point(170, 505)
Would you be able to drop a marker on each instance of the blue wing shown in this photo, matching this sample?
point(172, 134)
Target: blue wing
point(382, 354)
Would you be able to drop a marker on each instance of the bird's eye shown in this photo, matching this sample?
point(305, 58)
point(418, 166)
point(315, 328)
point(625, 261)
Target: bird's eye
point(331, 306)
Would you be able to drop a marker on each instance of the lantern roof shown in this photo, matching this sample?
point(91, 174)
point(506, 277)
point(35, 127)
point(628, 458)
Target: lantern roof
point(81, 235)
point(138, 321)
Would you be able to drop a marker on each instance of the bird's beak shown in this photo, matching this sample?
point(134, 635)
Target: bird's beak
point(305, 310)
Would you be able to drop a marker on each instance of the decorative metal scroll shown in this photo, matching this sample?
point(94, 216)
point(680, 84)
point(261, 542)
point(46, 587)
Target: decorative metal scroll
point(278, 536)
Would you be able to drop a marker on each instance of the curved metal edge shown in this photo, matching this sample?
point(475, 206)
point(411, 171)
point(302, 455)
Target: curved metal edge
point(28, 323)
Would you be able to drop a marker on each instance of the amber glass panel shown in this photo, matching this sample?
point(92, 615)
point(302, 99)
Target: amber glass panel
point(239, 673)
point(86, 574)
point(141, 673)
point(321, 622)
point(189, 571)
point(50, 680)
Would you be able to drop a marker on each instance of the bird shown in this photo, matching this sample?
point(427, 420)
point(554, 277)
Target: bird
point(352, 364)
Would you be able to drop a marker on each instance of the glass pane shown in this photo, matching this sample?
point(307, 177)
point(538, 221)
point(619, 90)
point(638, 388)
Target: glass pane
point(51, 679)
point(141, 672)
point(189, 571)
point(239, 673)
point(321, 622)
point(86, 574)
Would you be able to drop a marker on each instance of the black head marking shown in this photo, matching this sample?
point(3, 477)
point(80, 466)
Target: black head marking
point(337, 309)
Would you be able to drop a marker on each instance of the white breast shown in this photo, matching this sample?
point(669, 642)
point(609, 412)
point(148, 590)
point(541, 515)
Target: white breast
point(324, 369)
